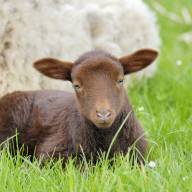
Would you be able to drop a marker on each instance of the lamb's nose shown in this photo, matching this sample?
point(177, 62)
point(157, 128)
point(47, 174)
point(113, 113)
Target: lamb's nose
point(103, 114)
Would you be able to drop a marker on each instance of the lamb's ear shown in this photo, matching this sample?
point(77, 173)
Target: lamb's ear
point(138, 60)
point(54, 68)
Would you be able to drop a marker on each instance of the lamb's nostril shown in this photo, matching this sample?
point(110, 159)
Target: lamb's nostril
point(103, 114)
point(108, 115)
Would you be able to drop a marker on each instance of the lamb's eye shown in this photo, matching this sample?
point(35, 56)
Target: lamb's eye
point(120, 82)
point(76, 87)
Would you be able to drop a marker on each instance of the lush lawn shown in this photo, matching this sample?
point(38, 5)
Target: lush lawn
point(167, 118)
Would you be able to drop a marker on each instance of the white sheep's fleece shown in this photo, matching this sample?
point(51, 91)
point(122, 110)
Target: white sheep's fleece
point(33, 29)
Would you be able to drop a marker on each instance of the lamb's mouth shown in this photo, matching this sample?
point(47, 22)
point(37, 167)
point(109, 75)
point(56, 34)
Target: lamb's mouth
point(104, 124)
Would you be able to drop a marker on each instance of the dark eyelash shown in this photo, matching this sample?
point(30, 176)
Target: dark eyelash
point(76, 87)
point(120, 81)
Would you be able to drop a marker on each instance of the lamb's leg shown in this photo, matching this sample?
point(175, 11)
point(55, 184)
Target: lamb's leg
point(136, 139)
point(52, 147)
point(139, 142)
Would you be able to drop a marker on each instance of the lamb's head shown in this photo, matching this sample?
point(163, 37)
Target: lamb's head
point(97, 78)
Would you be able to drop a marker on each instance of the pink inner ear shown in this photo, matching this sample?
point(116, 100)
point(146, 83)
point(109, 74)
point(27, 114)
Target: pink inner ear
point(54, 68)
point(138, 60)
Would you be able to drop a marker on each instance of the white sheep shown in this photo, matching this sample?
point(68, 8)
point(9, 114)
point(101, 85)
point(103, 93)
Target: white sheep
point(65, 29)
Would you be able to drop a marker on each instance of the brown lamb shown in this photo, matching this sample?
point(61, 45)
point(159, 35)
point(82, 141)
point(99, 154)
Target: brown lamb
point(60, 124)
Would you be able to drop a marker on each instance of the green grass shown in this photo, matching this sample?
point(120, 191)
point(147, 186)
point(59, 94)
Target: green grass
point(167, 118)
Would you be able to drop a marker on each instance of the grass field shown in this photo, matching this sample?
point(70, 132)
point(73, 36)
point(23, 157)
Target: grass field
point(166, 100)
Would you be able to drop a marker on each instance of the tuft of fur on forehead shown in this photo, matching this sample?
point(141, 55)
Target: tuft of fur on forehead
point(97, 61)
point(95, 56)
